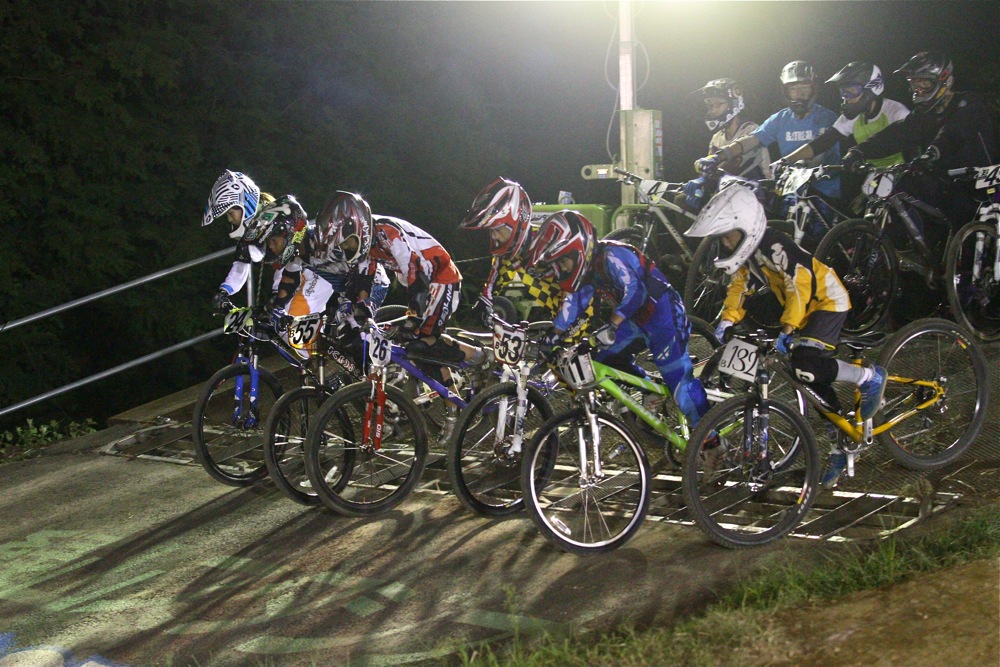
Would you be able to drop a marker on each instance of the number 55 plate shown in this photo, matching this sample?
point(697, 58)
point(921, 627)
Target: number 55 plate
point(739, 360)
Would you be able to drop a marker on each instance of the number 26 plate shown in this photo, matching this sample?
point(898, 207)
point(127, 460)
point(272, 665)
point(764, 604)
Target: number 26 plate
point(739, 360)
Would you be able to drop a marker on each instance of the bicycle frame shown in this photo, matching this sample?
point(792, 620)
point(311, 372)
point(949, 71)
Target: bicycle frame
point(653, 197)
point(796, 183)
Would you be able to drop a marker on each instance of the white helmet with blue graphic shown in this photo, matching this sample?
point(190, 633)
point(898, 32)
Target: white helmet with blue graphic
point(232, 189)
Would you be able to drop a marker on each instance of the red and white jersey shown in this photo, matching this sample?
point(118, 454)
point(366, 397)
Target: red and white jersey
point(408, 250)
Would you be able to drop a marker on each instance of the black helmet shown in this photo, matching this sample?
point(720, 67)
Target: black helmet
point(860, 82)
point(799, 71)
point(724, 89)
point(932, 74)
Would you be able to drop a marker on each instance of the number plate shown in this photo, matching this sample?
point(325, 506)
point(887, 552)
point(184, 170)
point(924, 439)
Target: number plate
point(508, 343)
point(739, 360)
point(576, 369)
point(237, 321)
point(878, 185)
point(304, 330)
point(987, 177)
point(379, 348)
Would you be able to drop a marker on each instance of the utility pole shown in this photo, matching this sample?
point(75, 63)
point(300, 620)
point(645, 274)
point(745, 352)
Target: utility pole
point(626, 89)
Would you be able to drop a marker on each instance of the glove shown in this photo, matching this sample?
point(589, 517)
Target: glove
point(221, 300)
point(483, 309)
point(694, 190)
point(778, 166)
point(605, 336)
point(280, 319)
point(853, 160)
point(928, 158)
point(409, 327)
point(784, 343)
point(363, 312)
point(720, 331)
point(708, 165)
point(550, 344)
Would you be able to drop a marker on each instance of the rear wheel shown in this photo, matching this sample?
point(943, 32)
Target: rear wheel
point(866, 263)
point(757, 485)
point(228, 424)
point(576, 507)
point(940, 351)
point(973, 287)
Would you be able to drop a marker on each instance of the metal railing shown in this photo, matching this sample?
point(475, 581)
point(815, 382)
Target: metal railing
point(100, 295)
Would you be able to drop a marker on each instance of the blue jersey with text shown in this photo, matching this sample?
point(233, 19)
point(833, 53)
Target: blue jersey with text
point(790, 132)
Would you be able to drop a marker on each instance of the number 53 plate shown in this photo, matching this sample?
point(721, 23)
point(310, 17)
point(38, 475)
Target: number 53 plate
point(739, 360)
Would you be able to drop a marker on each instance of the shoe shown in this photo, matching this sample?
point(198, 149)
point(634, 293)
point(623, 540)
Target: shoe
point(872, 392)
point(713, 453)
point(834, 469)
point(478, 357)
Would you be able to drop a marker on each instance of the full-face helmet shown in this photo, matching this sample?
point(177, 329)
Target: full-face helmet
point(860, 84)
point(232, 189)
point(347, 217)
point(931, 76)
point(798, 73)
point(733, 207)
point(501, 205)
point(278, 228)
point(564, 248)
point(717, 93)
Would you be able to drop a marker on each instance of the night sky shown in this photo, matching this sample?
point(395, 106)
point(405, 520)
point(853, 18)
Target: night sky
point(547, 65)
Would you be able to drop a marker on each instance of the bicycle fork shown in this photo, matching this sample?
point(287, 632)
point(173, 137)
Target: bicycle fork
point(238, 402)
point(520, 411)
point(371, 435)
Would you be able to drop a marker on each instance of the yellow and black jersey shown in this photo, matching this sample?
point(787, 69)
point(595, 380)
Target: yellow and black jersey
point(801, 283)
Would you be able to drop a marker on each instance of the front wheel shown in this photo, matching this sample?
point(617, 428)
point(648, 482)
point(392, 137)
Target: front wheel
point(379, 474)
point(706, 286)
point(483, 464)
point(938, 351)
point(971, 282)
point(284, 442)
point(578, 505)
point(228, 424)
point(866, 263)
point(748, 490)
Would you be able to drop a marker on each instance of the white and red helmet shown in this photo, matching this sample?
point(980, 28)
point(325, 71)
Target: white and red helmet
point(347, 214)
point(564, 234)
point(502, 203)
point(231, 189)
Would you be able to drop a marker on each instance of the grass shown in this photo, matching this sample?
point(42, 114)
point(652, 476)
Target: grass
point(735, 627)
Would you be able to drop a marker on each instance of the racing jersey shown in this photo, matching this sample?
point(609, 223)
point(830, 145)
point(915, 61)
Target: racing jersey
point(409, 252)
point(962, 133)
point(850, 132)
point(801, 283)
point(621, 275)
point(745, 164)
point(789, 132)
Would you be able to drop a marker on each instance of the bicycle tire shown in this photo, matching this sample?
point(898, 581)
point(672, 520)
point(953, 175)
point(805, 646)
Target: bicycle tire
point(866, 264)
point(974, 302)
point(706, 286)
point(585, 516)
point(379, 480)
point(233, 453)
point(936, 349)
point(484, 475)
point(732, 506)
point(284, 444)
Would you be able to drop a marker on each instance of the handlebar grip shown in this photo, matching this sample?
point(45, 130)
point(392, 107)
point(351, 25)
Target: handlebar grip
point(961, 171)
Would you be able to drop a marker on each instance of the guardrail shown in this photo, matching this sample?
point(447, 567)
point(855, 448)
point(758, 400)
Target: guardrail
point(100, 295)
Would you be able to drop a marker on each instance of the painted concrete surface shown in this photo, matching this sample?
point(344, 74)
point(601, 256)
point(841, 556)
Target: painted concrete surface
point(108, 561)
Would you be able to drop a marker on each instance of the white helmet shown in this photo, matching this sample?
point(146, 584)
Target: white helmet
point(734, 207)
point(231, 189)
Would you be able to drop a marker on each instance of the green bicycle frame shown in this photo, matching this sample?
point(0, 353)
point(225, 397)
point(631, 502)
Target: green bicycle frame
point(606, 377)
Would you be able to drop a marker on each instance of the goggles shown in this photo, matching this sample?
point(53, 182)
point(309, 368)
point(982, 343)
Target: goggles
point(851, 92)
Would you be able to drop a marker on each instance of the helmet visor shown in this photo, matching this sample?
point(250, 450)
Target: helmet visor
point(921, 85)
point(851, 92)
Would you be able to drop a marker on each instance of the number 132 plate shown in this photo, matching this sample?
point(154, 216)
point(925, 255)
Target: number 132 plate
point(739, 360)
